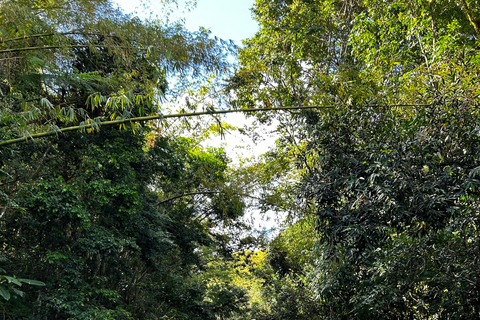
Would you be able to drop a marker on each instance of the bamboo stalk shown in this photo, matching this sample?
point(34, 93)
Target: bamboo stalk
point(180, 115)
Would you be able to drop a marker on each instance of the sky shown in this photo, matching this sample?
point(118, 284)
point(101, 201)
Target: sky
point(227, 19)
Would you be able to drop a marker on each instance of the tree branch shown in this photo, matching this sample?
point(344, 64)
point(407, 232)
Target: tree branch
point(473, 20)
point(205, 192)
point(44, 48)
point(39, 35)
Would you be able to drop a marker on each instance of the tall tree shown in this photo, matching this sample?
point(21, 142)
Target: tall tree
point(389, 157)
point(112, 221)
point(78, 62)
point(111, 228)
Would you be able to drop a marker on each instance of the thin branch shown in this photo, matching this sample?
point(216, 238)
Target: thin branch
point(40, 164)
point(65, 46)
point(182, 115)
point(43, 48)
point(205, 192)
point(186, 195)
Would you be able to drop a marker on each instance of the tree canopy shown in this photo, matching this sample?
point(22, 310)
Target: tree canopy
point(389, 158)
point(376, 167)
point(81, 62)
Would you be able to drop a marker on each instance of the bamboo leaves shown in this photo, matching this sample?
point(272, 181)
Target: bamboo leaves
point(69, 66)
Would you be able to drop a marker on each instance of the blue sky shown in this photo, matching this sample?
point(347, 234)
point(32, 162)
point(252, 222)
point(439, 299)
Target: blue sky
point(227, 19)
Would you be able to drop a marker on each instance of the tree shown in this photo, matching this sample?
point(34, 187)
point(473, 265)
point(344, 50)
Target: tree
point(286, 293)
point(116, 229)
point(389, 159)
point(78, 62)
point(386, 202)
point(110, 221)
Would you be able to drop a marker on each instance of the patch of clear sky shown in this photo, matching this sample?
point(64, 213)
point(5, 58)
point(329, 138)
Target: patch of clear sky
point(226, 19)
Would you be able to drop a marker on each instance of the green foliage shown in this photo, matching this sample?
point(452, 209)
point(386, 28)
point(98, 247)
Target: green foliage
point(283, 273)
point(381, 181)
point(113, 221)
point(11, 284)
point(116, 227)
point(388, 160)
point(80, 62)
point(324, 53)
point(385, 189)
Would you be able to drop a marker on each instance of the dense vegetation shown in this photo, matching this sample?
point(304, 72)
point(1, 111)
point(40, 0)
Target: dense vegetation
point(380, 177)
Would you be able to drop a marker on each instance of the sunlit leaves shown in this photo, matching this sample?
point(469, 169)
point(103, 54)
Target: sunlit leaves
point(87, 60)
point(388, 160)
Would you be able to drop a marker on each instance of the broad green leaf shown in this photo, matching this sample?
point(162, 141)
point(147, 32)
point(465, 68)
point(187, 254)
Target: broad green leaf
point(33, 282)
point(4, 293)
point(18, 292)
point(13, 280)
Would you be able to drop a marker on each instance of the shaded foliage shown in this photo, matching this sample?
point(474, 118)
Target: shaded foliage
point(389, 159)
point(106, 244)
